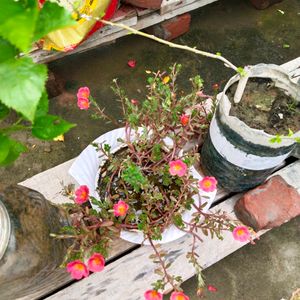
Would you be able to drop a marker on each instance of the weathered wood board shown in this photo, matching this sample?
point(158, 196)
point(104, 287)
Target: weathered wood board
point(117, 282)
point(169, 5)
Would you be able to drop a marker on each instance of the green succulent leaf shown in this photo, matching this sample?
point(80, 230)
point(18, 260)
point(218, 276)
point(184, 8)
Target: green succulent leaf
point(276, 139)
point(18, 20)
point(48, 127)
point(21, 85)
point(52, 17)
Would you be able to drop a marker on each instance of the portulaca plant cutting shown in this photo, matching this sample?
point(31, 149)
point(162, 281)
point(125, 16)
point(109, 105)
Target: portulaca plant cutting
point(148, 184)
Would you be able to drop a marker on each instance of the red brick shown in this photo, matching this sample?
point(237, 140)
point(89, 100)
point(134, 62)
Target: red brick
point(153, 4)
point(269, 205)
point(262, 4)
point(172, 28)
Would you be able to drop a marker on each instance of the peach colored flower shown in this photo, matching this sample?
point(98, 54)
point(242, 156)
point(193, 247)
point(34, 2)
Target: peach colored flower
point(120, 208)
point(83, 103)
point(77, 269)
point(241, 233)
point(81, 194)
point(177, 167)
point(153, 295)
point(184, 119)
point(179, 296)
point(96, 262)
point(83, 92)
point(212, 288)
point(208, 184)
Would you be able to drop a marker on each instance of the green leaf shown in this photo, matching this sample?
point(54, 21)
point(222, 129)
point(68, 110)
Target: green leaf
point(52, 17)
point(43, 106)
point(18, 19)
point(4, 111)
point(291, 133)
point(4, 147)
point(48, 127)
point(15, 149)
point(276, 139)
point(21, 85)
point(241, 71)
point(7, 50)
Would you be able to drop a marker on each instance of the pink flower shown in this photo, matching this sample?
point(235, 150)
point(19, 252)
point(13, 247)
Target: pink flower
point(153, 295)
point(179, 296)
point(184, 119)
point(201, 94)
point(82, 194)
point(134, 101)
point(241, 233)
point(120, 208)
point(131, 63)
point(83, 103)
point(83, 92)
point(77, 269)
point(212, 288)
point(177, 167)
point(96, 262)
point(208, 184)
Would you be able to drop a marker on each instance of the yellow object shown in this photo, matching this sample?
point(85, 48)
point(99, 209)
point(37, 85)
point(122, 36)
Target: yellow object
point(59, 138)
point(166, 79)
point(69, 37)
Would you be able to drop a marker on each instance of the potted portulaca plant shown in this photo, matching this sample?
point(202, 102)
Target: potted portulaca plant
point(140, 181)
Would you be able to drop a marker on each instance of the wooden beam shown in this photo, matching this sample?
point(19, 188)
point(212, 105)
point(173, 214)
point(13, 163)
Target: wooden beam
point(128, 277)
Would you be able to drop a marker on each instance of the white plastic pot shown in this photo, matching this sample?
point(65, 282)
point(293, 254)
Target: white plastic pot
point(86, 168)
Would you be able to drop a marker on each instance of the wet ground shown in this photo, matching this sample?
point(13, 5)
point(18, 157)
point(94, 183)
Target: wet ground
point(269, 270)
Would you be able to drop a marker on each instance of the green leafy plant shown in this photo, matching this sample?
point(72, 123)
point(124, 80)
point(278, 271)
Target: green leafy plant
point(147, 185)
point(22, 85)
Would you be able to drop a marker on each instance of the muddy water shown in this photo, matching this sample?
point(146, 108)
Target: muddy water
point(233, 27)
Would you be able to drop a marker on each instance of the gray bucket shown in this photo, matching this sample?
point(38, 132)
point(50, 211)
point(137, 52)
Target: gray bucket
point(241, 157)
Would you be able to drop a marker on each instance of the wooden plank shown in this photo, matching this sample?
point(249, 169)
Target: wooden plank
point(50, 184)
point(169, 5)
point(116, 282)
point(110, 34)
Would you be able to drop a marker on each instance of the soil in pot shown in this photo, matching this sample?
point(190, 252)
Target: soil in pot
point(266, 107)
point(112, 186)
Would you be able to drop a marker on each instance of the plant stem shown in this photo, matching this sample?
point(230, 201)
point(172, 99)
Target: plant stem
point(162, 263)
point(14, 128)
point(170, 44)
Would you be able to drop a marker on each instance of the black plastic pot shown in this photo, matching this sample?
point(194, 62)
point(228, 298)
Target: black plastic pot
point(238, 156)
